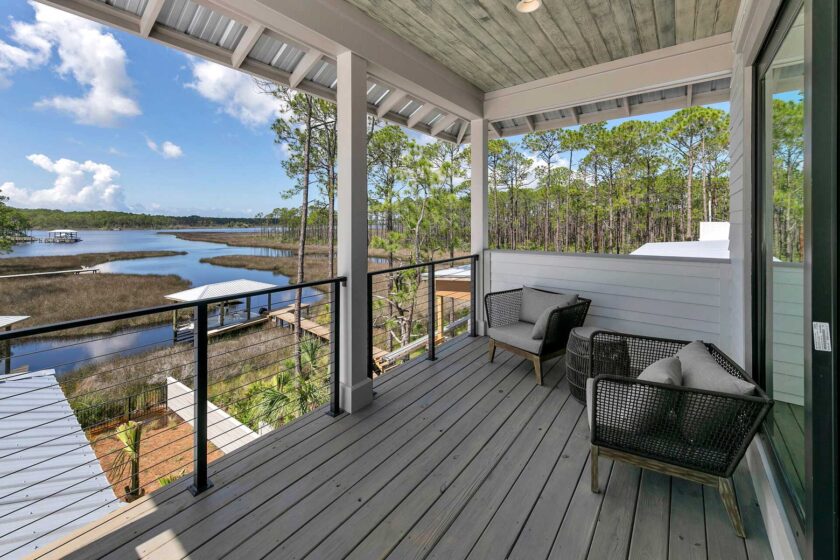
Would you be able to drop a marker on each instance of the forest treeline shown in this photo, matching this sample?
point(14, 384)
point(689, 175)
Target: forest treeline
point(596, 188)
point(591, 189)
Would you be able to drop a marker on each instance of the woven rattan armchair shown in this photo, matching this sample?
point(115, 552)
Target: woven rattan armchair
point(502, 312)
point(690, 433)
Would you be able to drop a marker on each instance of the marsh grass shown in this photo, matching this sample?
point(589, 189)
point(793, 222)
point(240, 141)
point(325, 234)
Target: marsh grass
point(53, 299)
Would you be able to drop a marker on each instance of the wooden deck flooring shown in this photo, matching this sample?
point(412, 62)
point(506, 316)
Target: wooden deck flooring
point(456, 458)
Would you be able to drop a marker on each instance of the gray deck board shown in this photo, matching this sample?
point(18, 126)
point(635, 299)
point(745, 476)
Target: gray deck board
point(456, 458)
point(650, 528)
point(687, 538)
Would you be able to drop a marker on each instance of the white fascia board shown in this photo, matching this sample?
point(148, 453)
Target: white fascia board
point(335, 26)
point(695, 61)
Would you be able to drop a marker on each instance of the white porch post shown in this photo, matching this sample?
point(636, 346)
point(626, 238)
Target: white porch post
point(478, 211)
point(351, 107)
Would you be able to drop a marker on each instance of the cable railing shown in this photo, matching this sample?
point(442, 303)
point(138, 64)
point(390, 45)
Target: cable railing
point(413, 309)
point(90, 422)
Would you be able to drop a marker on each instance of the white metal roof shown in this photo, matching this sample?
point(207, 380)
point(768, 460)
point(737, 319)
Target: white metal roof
point(63, 231)
point(52, 480)
point(460, 272)
point(219, 289)
point(7, 320)
point(715, 249)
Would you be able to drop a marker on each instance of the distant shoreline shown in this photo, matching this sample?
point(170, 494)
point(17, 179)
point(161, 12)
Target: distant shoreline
point(44, 219)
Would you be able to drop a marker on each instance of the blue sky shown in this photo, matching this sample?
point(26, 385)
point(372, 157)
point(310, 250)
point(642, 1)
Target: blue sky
point(229, 164)
point(94, 118)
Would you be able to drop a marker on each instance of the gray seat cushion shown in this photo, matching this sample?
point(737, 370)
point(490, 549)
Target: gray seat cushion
point(517, 335)
point(534, 302)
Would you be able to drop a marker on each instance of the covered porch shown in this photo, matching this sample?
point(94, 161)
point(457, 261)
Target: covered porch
point(455, 458)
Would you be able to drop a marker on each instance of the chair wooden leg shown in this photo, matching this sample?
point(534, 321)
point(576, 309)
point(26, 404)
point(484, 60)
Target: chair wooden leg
point(596, 488)
point(492, 349)
point(727, 494)
point(538, 369)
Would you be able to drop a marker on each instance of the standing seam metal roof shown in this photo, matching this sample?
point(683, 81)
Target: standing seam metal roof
point(52, 481)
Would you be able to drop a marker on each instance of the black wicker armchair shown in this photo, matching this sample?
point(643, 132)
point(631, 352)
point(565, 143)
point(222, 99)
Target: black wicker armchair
point(694, 434)
point(507, 331)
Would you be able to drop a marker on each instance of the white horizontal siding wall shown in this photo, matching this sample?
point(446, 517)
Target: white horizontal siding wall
point(670, 298)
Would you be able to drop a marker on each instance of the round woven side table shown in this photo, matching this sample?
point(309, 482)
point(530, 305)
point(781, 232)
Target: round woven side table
point(577, 360)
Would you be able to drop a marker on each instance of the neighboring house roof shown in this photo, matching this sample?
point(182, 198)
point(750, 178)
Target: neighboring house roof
point(713, 244)
point(691, 249)
point(7, 320)
point(52, 482)
point(219, 289)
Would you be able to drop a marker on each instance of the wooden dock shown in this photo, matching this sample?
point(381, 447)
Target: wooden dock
point(286, 317)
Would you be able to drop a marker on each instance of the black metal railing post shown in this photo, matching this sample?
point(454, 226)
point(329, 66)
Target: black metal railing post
point(371, 364)
point(473, 295)
point(432, 311)
point(200, 480)
point(335, 341)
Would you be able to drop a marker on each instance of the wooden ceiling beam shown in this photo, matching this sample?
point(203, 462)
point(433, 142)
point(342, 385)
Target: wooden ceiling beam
point(443, 123)
point(246, 44)
point(306, 64)
point(529, 120)
point(150, 15)
point(462, 131)
point(420, 115)
point(393, 102)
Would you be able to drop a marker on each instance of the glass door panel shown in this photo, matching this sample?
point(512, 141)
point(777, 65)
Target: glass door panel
point(783, 244)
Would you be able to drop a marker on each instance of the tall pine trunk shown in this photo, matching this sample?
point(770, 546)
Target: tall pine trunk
point(304, 214)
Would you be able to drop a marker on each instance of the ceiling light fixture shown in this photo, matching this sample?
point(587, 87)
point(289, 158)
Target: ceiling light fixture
point(527, 6)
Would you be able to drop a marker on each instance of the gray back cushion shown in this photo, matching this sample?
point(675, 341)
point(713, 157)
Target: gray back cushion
point(701, 418)
point(701, 371)
point(534, 302)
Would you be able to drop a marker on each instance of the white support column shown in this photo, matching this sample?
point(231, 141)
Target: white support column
point(478, 210)
point(351, 107)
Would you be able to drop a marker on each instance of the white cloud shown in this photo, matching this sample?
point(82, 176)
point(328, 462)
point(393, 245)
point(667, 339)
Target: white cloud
point(168, 149)
point(77, 186)
point(236, 93)
point(86, 52)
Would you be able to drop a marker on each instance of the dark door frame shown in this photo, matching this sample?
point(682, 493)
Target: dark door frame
point(822, 18)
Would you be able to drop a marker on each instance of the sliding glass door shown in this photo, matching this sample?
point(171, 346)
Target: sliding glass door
point(796, 259)
point(782, 256)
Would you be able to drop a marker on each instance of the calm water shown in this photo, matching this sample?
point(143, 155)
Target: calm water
point(67, 354)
